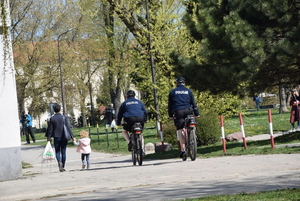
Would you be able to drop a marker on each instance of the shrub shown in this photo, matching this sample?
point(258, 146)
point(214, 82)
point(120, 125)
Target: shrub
point(225, 104)
point(170, 135)
point(208, 128)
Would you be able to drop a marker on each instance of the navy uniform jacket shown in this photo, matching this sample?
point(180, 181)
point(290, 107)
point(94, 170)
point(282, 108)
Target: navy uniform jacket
point(56, 126)
point(181, 98)
point(132, 108)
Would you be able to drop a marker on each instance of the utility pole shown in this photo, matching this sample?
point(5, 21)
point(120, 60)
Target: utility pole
point(158, 124)
point(60, 72)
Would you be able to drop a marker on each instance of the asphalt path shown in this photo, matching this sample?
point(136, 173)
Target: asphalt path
point(113, 177)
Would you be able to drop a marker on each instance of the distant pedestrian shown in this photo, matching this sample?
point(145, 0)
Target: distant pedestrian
point(84, 147)
point(257, 101)
point(26, 121)
point(295, 110)
point(110, 116)
point(55, 130)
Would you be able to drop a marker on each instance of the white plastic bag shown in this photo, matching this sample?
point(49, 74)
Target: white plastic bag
point(113, 124)
point(49, 152)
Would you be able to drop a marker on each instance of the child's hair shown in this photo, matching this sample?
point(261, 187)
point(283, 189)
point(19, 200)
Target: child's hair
point(84, 134)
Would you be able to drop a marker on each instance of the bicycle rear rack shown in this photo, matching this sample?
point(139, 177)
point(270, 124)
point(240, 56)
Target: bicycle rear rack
point(137, 128)
point(191, 121)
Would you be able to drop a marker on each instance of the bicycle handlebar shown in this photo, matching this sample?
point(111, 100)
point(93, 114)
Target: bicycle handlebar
point(175, 117)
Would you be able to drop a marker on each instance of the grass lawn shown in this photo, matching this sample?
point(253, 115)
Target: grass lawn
point(277, 195)
point(256, 122)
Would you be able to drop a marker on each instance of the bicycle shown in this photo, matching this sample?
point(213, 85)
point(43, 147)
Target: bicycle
point(136, 140)
point(191, 139)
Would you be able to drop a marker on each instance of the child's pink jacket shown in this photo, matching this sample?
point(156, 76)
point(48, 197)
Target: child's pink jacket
point(84, 145)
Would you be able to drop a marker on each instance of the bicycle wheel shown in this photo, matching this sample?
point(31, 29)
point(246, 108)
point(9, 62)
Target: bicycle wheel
point(184, 157)
point(133, 152)
point(133, 157)
point(192, 148)
point(139, 151)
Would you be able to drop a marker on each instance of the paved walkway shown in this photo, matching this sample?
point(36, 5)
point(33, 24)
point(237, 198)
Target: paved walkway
point(113, 177)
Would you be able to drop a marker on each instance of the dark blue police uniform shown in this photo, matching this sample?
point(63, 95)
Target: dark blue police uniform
point(132, 110)
point(181, 103)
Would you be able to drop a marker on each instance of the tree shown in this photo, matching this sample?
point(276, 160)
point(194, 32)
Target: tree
point(244, 46)
point(34, 26)
point(167, 34)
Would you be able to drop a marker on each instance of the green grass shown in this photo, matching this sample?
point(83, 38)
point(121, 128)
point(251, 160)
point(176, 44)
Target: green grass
point(26, 165)
point(277, 195)
point(256, 122)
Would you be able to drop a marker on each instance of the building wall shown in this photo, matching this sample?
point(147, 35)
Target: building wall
point(10, 143)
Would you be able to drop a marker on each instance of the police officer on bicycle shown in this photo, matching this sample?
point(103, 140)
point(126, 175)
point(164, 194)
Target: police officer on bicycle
point(132, 110)
point(181, 103)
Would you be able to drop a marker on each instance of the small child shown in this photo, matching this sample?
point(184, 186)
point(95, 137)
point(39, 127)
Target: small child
point(84, 147)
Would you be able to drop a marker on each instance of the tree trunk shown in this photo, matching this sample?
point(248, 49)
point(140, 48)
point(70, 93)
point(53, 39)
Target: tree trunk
point(283, 99)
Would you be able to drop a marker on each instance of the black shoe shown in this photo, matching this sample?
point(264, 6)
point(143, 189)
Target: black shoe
point(182, 154)
point(60, 167)
point(129, 146)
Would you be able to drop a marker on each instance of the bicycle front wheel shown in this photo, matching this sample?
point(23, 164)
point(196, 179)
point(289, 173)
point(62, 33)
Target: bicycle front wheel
point(139, 151)
point(192, 145)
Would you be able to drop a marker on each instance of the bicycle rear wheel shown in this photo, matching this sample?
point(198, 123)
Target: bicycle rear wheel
point(139, 151)
point(133, 152)
point(184, 156)
point(192, 150)
point(133, 157)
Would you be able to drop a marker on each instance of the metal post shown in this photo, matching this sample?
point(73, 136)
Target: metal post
point(60, 72)
point(152, 68)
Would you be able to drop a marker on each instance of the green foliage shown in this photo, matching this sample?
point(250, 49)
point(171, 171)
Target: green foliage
point(167, 35)
point(170, 135)
point(208, 128)
point(245, 46)
point(223, 104)
point(211, 106)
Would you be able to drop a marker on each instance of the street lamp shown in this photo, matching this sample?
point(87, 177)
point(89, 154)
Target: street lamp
point(90, 88)
point(60, 72)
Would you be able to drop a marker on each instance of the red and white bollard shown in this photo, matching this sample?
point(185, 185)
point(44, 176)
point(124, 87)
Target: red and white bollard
point(243, 132)
point(271, 128)
point(223, 133)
